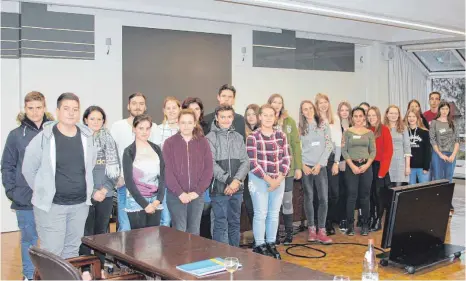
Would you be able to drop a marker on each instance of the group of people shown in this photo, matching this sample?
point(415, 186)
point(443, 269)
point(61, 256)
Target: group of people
point(193, 171)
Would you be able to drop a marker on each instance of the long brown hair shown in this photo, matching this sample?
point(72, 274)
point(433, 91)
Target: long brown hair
point(165, 101)
point(255, 108)
point(283, 113)
point(303, 124)
point(197, 132)
point(378, 125)
point(443, 103)
point(414, 101)
point(400, 125)
point(348, 105)
point(330, 117)
point(419, 122)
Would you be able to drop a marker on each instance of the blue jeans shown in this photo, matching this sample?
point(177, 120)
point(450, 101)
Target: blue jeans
point(417, 176)
point(27, 226)
point(442, 169)
point(227, 214)
point(165, 219)
point(266, 209)
point(123, 221)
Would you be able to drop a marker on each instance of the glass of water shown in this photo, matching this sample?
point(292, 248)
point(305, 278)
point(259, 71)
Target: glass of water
point(231, 265)
point(341, 278)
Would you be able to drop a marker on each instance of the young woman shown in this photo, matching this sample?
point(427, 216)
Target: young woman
point(317, 146)
point(344, 114)
point(169, 127)
point(287, 125)
point(144, 164)
point(420, 147)
point(400, 167)
point(416, 106)
point(358, 149)
point(269, 159)
point(325, 112)
point(188, 172)
point(381, 178)
point(106, 173)
point(251, 118)
point(231, 165)
point(444, 137)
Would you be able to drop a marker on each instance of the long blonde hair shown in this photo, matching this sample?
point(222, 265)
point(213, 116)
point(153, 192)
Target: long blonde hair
point(165, 101)
point(378, 126)
point(419, 122)
point(400, 125)
point(283, 113)
point(348, 105)
point(330, 117)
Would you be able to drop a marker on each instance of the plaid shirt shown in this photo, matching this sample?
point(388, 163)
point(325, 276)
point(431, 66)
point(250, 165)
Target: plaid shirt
point(268, 155)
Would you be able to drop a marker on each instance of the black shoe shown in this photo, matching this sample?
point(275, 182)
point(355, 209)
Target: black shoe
point(302, 227)
point(273, 250)
point(263, 250)
point(288, 237)
point(350, 229)
point(365, 228)
point(343, 225)
point(277, 239)
point(329, 228)
point(376, 225)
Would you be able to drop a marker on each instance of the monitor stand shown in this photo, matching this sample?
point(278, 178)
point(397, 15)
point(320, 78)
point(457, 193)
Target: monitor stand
point(422, 259)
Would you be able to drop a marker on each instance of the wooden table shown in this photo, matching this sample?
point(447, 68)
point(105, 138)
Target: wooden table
point(158, 250)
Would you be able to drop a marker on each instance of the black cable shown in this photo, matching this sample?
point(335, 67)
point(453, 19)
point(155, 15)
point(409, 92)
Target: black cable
point(324, 254)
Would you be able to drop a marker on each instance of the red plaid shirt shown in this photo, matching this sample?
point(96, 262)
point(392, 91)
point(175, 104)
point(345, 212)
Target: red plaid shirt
point(268, 155)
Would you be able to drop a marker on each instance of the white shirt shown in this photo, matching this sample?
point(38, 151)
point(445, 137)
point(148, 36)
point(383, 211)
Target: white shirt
point(122, 133)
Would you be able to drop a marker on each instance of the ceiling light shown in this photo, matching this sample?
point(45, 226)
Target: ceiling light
point(274, 47)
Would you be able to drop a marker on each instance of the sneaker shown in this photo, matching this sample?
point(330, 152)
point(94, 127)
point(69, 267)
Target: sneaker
point(365, 229)
point(343, 226)
point(329, 228)
point(288, 237)
point(312, 236)
point(273, 250)
point(322, 237)
point(263, 250)
point(350, 229)
point(277, 239)
point(376, 225)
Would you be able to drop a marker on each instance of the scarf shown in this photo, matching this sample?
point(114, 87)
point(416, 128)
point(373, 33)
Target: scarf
point(107, 146)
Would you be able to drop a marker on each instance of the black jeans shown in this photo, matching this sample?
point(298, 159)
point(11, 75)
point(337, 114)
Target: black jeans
point(379, 190)
point(333, 194)
point(141, 219)
point(359, 187)
point(342, 195)
point(97, 223)
point(248, 201)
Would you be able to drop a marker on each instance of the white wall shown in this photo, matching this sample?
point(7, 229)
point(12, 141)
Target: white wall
point(100, 81)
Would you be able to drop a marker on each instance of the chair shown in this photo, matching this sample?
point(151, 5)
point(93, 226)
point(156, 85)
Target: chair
point(52, 267)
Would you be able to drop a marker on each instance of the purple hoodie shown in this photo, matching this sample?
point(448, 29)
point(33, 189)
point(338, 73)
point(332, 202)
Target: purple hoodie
point(188, 166)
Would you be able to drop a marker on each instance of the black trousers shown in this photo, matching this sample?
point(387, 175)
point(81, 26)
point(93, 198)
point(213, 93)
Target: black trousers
point(342, 195)
point(141, 219)
point(97, 223)
point(379, 191)
point(248, 201)
point(333, 194)
point(205, 227)
point(359, 187)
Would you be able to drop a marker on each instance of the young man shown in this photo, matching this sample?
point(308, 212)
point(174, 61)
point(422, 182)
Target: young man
point(434, 101)
point(16, 187)
point(122, 133)
point(59, 165)
point(231, 166)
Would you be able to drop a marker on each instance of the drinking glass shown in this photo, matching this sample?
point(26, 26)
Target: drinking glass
point(231, 265)
point(341, 278)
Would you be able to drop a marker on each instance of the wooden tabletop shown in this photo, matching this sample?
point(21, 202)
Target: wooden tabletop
point(160, 249)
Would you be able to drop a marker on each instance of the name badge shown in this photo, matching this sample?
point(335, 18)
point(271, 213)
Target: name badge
point(315, 143)
point(442, 131)
point(356, 137)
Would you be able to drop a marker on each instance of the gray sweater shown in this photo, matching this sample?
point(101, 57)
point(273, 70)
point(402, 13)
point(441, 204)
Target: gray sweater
point(317, 145)
point(443, 136)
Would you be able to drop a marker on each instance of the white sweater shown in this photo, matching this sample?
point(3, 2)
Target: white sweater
point(122, 133)
point(335, 132)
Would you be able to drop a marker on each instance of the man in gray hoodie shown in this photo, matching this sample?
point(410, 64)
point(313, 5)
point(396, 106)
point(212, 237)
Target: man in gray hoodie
point(59, 165)
point(231, 165)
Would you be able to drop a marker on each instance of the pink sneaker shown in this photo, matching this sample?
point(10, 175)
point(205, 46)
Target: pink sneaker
point(312, 234)
point(323, 238)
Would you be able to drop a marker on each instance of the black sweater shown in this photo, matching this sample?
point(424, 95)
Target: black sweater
point(128, 157)
point(420, 148)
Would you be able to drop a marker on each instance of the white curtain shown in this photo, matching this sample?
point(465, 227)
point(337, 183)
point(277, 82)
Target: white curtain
point(406, 81)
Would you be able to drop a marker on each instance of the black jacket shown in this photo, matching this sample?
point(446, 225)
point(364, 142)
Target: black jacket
point(128, 157)
point(16, 187)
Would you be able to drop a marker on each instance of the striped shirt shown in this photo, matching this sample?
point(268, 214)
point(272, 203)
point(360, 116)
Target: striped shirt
point(268, 155)
point(163, 133)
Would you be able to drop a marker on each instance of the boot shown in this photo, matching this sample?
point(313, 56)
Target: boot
point(288, 236)
point(322, 237)
point(365, 228)
point(312, 236)
point(329, 228)
point(350, 229)
point(343, 225)
point(376, 225)
point(263, 250)
point(273, 250)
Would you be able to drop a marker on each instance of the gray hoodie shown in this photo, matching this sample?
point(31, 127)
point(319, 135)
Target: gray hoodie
point(40, 164)
point(231, 159)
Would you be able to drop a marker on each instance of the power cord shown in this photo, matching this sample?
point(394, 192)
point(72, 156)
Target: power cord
point(324, 254)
